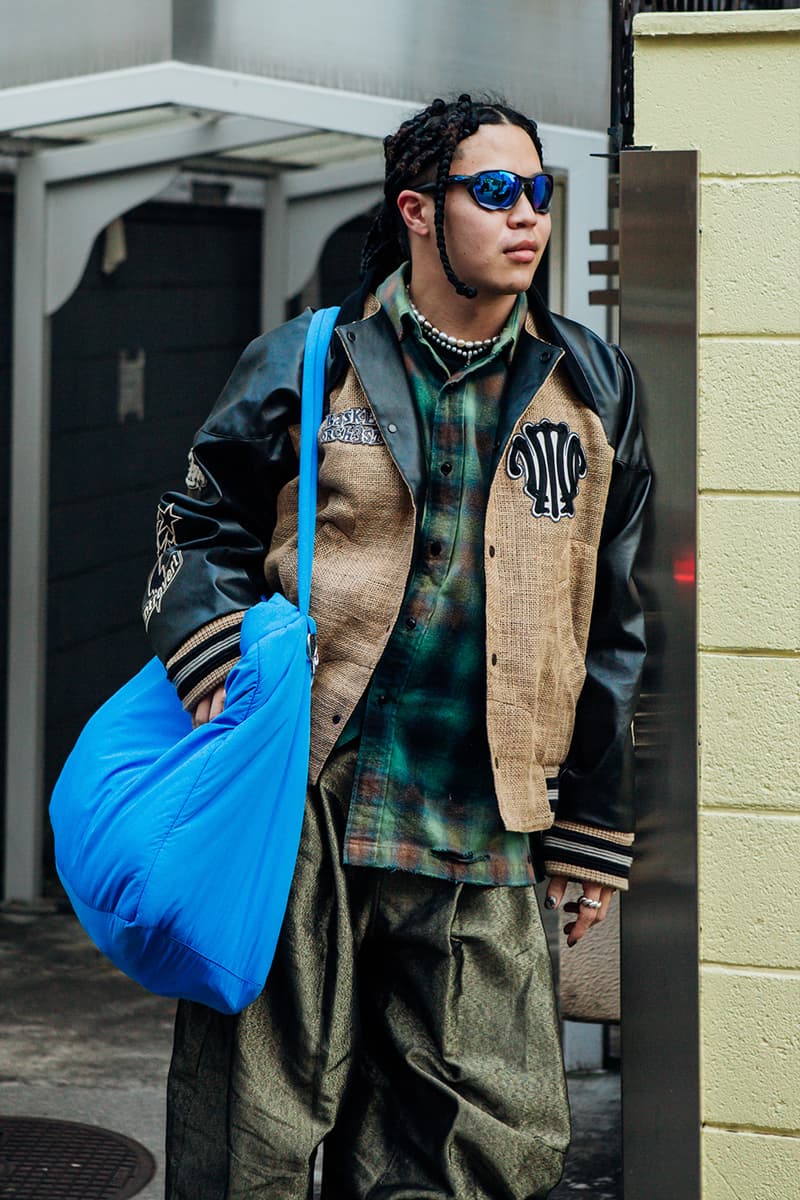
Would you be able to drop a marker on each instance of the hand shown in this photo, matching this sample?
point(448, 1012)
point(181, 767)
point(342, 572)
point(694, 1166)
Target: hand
point(586, 917)
point(209, 707)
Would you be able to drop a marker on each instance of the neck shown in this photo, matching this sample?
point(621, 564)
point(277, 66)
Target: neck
point(473, 320)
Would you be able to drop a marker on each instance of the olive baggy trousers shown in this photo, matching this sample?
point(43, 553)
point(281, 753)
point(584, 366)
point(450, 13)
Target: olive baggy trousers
point(407, 1021)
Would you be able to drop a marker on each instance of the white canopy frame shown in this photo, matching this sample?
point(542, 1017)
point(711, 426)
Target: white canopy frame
point(66, 196)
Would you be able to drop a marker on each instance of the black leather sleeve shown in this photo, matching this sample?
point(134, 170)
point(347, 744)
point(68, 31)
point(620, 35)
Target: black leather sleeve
point(595, 780)
point(212, 540)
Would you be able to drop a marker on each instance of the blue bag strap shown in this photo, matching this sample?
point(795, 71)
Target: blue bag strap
point(316, 349)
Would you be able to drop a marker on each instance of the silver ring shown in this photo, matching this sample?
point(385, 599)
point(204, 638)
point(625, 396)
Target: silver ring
point(587, 903)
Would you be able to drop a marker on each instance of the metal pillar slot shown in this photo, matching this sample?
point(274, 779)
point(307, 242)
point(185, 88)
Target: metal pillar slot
point(274, 253)
point(30, 430)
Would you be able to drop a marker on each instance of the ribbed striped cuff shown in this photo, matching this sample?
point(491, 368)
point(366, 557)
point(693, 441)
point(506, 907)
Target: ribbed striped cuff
point(584, 852)
point(205, 659)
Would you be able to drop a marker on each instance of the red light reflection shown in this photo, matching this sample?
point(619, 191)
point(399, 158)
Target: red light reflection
point(683, 569)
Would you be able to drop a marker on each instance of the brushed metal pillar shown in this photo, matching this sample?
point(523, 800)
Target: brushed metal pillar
point(28, 527)
point(659, 230)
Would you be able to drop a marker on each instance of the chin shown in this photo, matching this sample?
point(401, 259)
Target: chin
point(508, 287)
point(524, 282)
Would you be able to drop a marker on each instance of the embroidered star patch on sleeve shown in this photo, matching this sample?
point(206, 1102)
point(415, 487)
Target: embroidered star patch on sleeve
point(168, 562)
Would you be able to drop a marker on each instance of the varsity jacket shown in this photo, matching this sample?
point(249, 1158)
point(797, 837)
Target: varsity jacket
point(564, 628)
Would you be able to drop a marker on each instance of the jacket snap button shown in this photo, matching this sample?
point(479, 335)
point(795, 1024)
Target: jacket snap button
point(546, 355)
point(392, 428)
point(351, 337)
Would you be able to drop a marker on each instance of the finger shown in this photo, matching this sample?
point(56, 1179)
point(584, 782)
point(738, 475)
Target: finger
point(600, 914)
point(606, 896)
point(200, 714)
point(217, 703)
point(591, 891)
point(555, 891)
point(586, 916)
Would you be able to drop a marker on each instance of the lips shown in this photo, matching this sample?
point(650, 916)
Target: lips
point(523, 252)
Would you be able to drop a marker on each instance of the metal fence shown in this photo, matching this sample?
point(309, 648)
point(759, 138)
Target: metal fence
point(705, 5)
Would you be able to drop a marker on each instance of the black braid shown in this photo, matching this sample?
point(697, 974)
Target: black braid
point(422, 150)
point(464, 126)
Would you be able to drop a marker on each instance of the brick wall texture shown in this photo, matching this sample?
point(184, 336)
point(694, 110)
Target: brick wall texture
point(728, 85)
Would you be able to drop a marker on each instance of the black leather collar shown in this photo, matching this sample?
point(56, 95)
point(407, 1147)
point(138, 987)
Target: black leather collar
point(372, 348)
point(546, 324)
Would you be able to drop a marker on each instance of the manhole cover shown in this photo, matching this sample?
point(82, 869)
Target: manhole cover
point(61, 1160)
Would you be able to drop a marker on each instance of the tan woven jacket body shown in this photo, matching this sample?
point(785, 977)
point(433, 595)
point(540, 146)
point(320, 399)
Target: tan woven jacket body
point(540, 574)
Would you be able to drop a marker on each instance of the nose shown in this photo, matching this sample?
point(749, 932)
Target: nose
point(523, 212)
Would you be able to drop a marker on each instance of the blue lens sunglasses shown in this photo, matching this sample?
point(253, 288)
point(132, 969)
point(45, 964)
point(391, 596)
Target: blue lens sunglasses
point(500, 190)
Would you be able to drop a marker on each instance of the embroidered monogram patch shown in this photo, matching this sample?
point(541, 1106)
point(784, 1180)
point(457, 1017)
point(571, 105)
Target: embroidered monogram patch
point(196, 479)
point(168, 563)
point(355, 425)
point(551, 460)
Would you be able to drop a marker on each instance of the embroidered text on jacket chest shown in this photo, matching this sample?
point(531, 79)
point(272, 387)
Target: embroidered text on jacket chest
point(357, 426)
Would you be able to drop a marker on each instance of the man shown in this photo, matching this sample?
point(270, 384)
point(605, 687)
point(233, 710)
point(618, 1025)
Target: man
point(481, 485)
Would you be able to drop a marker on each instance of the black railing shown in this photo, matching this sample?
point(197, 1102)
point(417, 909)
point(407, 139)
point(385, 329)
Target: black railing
point(709, 5)
point(622, 14)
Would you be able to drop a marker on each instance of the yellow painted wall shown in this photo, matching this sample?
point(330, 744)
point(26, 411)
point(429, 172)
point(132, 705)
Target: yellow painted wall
point(728, 85)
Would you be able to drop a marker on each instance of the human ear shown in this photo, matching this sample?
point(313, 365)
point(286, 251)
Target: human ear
point(416, 211)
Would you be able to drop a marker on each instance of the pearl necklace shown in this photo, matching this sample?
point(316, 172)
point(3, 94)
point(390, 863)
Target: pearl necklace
point(464, 349)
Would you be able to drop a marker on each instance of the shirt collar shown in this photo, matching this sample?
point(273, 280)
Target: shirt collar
point(392, 295)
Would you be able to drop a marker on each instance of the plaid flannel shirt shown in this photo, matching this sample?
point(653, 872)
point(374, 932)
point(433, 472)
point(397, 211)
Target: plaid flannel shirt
point(423, 796)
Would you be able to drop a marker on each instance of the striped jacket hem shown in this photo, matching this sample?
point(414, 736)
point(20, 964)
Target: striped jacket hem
point(205, 659)
point(584, 852)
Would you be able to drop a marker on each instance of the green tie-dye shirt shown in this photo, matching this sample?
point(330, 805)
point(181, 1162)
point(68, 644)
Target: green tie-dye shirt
point(423, 797)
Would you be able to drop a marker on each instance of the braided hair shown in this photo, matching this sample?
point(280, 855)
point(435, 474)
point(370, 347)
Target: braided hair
point(421, 151)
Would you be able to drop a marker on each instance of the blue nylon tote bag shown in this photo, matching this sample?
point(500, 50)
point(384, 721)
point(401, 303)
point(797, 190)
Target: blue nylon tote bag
point(176, 846)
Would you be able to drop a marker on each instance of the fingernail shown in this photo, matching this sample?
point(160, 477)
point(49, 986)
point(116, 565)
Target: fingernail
point(550, 902)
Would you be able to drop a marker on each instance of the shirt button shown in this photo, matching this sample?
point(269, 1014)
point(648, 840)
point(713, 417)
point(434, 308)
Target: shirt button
point(382, 699)
point(436, 549)
point(392, 428)
point(411, 623)
point(446, 468)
